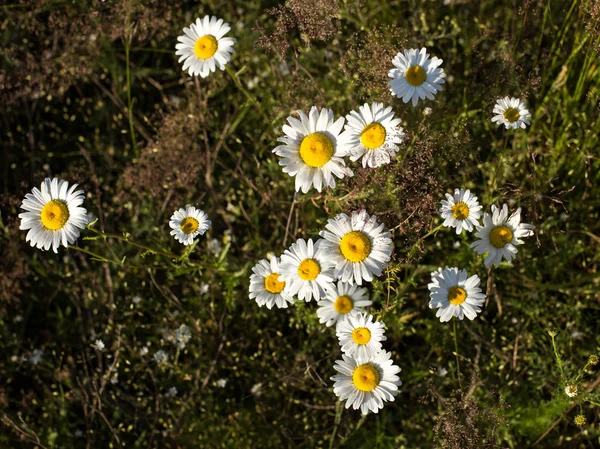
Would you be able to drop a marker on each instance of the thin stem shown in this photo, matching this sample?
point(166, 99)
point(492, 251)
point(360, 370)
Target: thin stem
point(456, 354)
point(128, 32)
point(246, 93)
point(338, 417)
point(139, 245)
point(558, 359)
point(99, 257)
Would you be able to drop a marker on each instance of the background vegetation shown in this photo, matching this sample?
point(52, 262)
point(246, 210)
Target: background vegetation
point(91, 91)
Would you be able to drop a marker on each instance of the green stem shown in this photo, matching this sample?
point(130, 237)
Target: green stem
point(139, 245)
point(99, 257)
point(558, 359)
point(456, 354)
point(248, 95)
point(129, 102)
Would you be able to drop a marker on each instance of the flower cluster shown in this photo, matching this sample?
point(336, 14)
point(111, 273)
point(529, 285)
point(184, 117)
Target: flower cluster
point(452, 291)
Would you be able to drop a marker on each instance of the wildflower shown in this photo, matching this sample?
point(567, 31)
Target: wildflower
point(552, 332)
point(311, 151)
point(144, 350)
point(366, 383)
point(416, 76)
point(455, 294)
point(99, 345)
point(341, 301)
point(571, 390)
point(442, 372)
point(500, 235)
point(214, 246)
point(114, 379)
point(256, 389)
point(511, 112)
point(203, 46)
point(373, 134)
point(204, 289)
point(461, 210)
point(579, 420)
point(171, 393)
point(427, 111)
point(182, 336)
point(266, 287)
point(187, 223)
point(360, 336)
point(358, 246)
point(306, 270)
point(160, 357)
point(53, 215)
point(593, 360)
point(222, 383)
point(136, 299)
point(36, 356)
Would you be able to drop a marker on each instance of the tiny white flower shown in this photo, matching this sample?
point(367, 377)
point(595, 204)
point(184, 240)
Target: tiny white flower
point(511, 112)
point(204, 289)
point(171, 393)
point(114, 379)
point(256, 389)
point(222, 383)
point(182, 336)
point(571, 390)
point(442, 372)
point(427, 112)
point(161, 357)
point(36, 356)
point(214, 247)
point(144, 350)
point(99, 345)
point(136, 299)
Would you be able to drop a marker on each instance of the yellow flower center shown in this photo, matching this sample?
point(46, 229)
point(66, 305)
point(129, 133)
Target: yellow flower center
point(206, 47)
point(415, 75)
point(355, 246)
point(272, 284)
point(460, 211)
point(512, 115)
point(189, 225)
point(343, 305)
point(457, 295)
point(373, 136)
point(55, 215)
point(316, 149)
point(309, 269)
point(361, 335)
point(365, 377)
point(500, 236)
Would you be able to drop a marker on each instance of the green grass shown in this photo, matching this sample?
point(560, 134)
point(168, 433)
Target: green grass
point(92, 92)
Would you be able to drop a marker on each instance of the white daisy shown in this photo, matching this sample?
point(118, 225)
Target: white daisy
point(358, 246)
point(360, 336)
point(341, 301)
point(373, 134)
point(416, 76)
point(203, 46)
point(455, 294)
point(306, 271)
point(461, 211)
point(187, 223)
point(266, 287)
point(311, 152)
point(99, 345)
point(366, 383)
point(53, 214)
point(500, 235)
point(511, 112)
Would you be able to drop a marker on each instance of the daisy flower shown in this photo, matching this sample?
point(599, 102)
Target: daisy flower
point(311, 152)
point(366, 383)
point(511, 112)
point(266, 287)
point(203, 47)
point(455, 294)
point(341, 301)
point(306, 271)
point(357, 245)
point(500, 235)
point(416, 76)
point(461, 211)
point(53, 214)
point(360, 336)
point(373, 134)
point(187, 223)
